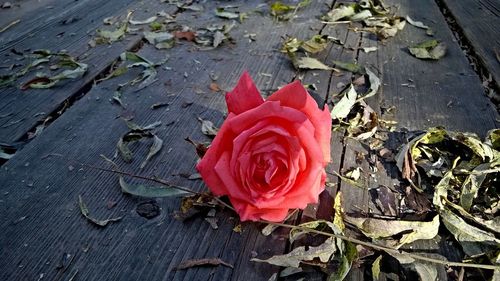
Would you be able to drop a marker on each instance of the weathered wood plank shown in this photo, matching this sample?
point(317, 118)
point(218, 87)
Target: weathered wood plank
point(135, 247)
point(479, 21)
point(427, 93)
point(440, 93)
point(25, 109)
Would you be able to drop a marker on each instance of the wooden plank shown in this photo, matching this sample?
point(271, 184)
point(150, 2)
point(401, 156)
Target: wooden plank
point(445, 92)
point(427, 93)
point(135, 247)
point(479, 21)
point(23, 110)
point(29, 15)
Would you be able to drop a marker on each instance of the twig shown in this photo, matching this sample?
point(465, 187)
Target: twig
point(142, 177)
point(160, 181)
point(9, 25)
point(387, 249)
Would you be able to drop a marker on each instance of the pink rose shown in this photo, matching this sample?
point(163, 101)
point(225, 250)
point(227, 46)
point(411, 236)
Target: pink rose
point(269, 155)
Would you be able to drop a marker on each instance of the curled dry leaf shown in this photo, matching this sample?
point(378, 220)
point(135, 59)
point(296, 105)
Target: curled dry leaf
point(202, 262)
point(85, 212)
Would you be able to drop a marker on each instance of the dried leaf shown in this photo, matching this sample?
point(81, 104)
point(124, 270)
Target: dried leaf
point(369, 49)
point(374, 84)
point(202, 262)
point(299, 254)
point(153, 150)
point(384, 229)
point(222, 13)
point(85, 212)
point(363, 14)
point(158, 37)
point(316, 44)
point(310, 63)
point(339, 13)
point(345, 104)
point(186, 35)
point(346, 261)
point(338, 221)
point(376, 267)
point(208, 128)
point(293, 259)
point(352, 67)
point(146, 21)
point(354, 174)
point(431, 49)
point(416, 23)
point(149, 191)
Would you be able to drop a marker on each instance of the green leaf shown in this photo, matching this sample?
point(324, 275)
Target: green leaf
point(149, 191)
point(345, 104)
point(153, 150)
point(85, 212)
point(431, 49)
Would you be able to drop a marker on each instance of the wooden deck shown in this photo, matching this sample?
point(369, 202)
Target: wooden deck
point(43, 234)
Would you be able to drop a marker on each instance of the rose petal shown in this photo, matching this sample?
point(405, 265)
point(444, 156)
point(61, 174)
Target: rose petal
point(294, 95)
point(244, 96)
point(249, 212)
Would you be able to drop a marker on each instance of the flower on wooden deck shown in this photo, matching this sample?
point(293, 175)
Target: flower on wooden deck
point(269, 155)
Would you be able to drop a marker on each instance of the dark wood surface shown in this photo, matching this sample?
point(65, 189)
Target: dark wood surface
point(479, 21)
point(43, 233)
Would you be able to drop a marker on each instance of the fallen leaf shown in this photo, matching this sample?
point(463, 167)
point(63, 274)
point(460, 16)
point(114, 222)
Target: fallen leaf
point(214, 87)
point(416, 23)
point(345, 104)
point(386, 230)
point(208, 128)
point(222, 13)
point(187, 35)
point(299, 254)
point(85, 212)
point(153, 150)
point(145, 21)
point(310, 63)
point(339, 13)
point(149, 191)
point(352, 67)
point(376, 267)
point(431, 49)
point(202, 262)
point(369, 49)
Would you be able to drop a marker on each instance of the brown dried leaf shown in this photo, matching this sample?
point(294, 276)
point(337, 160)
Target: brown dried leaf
point(202, 262)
